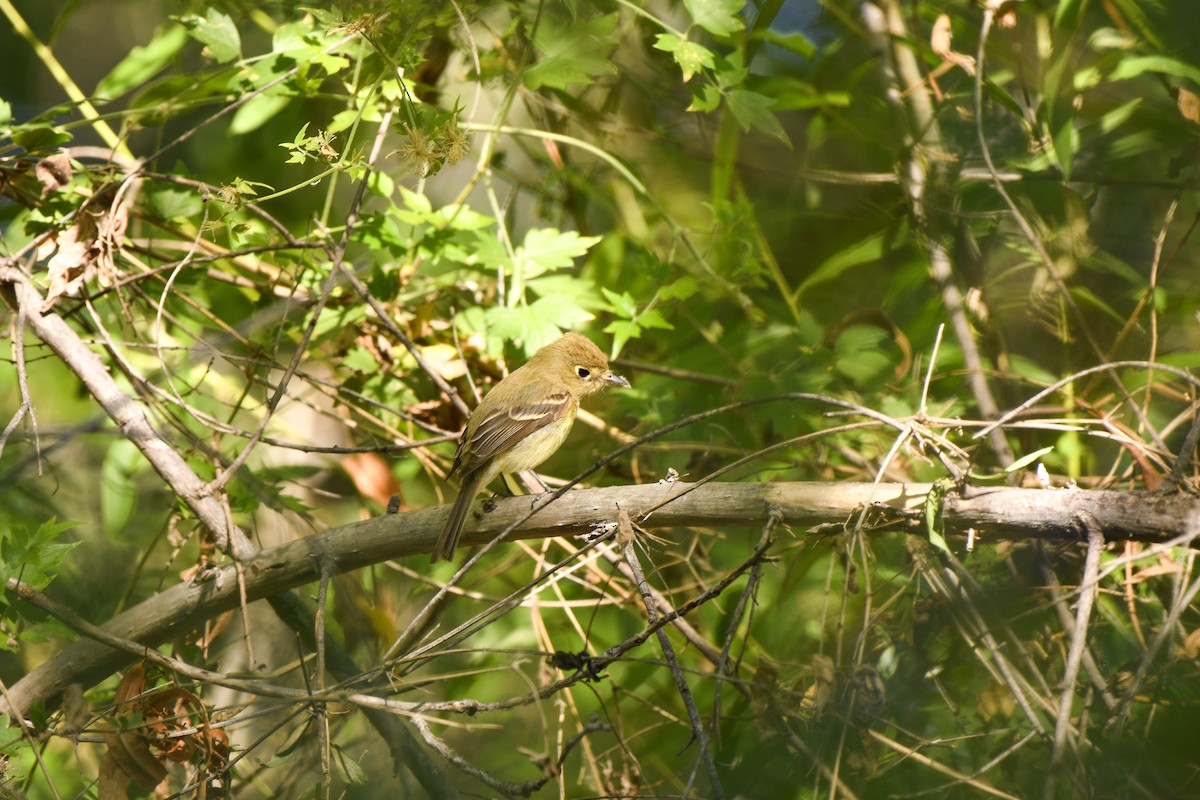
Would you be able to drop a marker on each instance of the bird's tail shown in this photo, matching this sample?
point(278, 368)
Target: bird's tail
point(448, 539)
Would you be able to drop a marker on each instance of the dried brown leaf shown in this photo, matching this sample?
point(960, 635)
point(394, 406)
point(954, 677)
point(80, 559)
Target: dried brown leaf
point(73, 262)
point(1189, 104)
point(939, 41)
point(54, 172)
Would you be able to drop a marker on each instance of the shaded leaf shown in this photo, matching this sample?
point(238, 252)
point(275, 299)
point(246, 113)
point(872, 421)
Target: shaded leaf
point(753, 110)
point(572, 53)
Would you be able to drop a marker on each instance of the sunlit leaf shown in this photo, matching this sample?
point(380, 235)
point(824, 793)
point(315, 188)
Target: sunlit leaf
point(718, 17)
point(217, 32)
point(142, 63)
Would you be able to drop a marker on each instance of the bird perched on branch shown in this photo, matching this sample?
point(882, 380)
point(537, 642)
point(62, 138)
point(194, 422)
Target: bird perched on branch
point(522, 421)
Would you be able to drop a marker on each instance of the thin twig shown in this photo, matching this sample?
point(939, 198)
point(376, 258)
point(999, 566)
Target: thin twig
point(26, 408)
point(924, 141)
point(626, 536)
point(337, 256)
point(747, 597)
point(1030, 234)
point(1079, 636)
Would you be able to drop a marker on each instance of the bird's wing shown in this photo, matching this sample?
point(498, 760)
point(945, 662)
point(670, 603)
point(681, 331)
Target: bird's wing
point(505, 427)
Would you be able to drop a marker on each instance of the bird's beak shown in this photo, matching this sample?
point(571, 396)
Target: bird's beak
point(613, 377)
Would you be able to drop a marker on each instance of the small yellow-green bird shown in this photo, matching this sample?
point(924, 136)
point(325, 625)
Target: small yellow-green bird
point(522, 421)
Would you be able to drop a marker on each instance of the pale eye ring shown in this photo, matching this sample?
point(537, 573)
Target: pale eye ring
point(582, 372)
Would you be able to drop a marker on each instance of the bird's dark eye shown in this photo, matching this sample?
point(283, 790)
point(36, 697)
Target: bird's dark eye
point(582, 372)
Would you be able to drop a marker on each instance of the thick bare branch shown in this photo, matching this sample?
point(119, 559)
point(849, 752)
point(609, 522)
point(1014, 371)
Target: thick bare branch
point(993, 513)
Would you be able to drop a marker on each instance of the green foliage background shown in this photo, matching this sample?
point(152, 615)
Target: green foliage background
point(737, 202)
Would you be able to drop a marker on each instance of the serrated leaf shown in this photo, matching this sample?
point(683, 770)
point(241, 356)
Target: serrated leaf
point(35, 558)
point(142, 63)
point(690, 56)
point(667, 42)
point(753, 110)
point(547, 249)
point(623, 304)
point(38, 138)
point(707, 100)
point(718, 17)
point(217, 32)
point(570, 53)
point(559, 311)
point(622, 331)
point(579, 290)
point(653, 318)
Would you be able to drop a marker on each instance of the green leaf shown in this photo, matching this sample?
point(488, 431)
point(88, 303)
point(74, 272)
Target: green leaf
point(256, 112)
point(1134, 66)
point(690, 56)
point(681, 289)
point(359, 359)
point(528, 325)
point(547, 249)
point(753, 110)
point(5, 113)
point(934, 524)
point(1067, 15)
point(39, 138)
point(570, 53)
point(1114, 119)
point(1086, 297)
point(142, 63)
point(622, 331)
point(581, 291)
point(1027, 459)
point(667, 42)
point(561, 312)
point(118, 493)
point(12, 740)
point(623, 304)
point(1065, 141)
point(653, 318)
point(1059, 112)
point(217, 32)
point(350, 770)
point(175, 203)
point(790, 94)
point(718, 17)
point(861, 354)
point(794, 42)
point(867, 251)
point(381, 183)
point(1030, 370)
point(708, 99)
point(35, 559)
